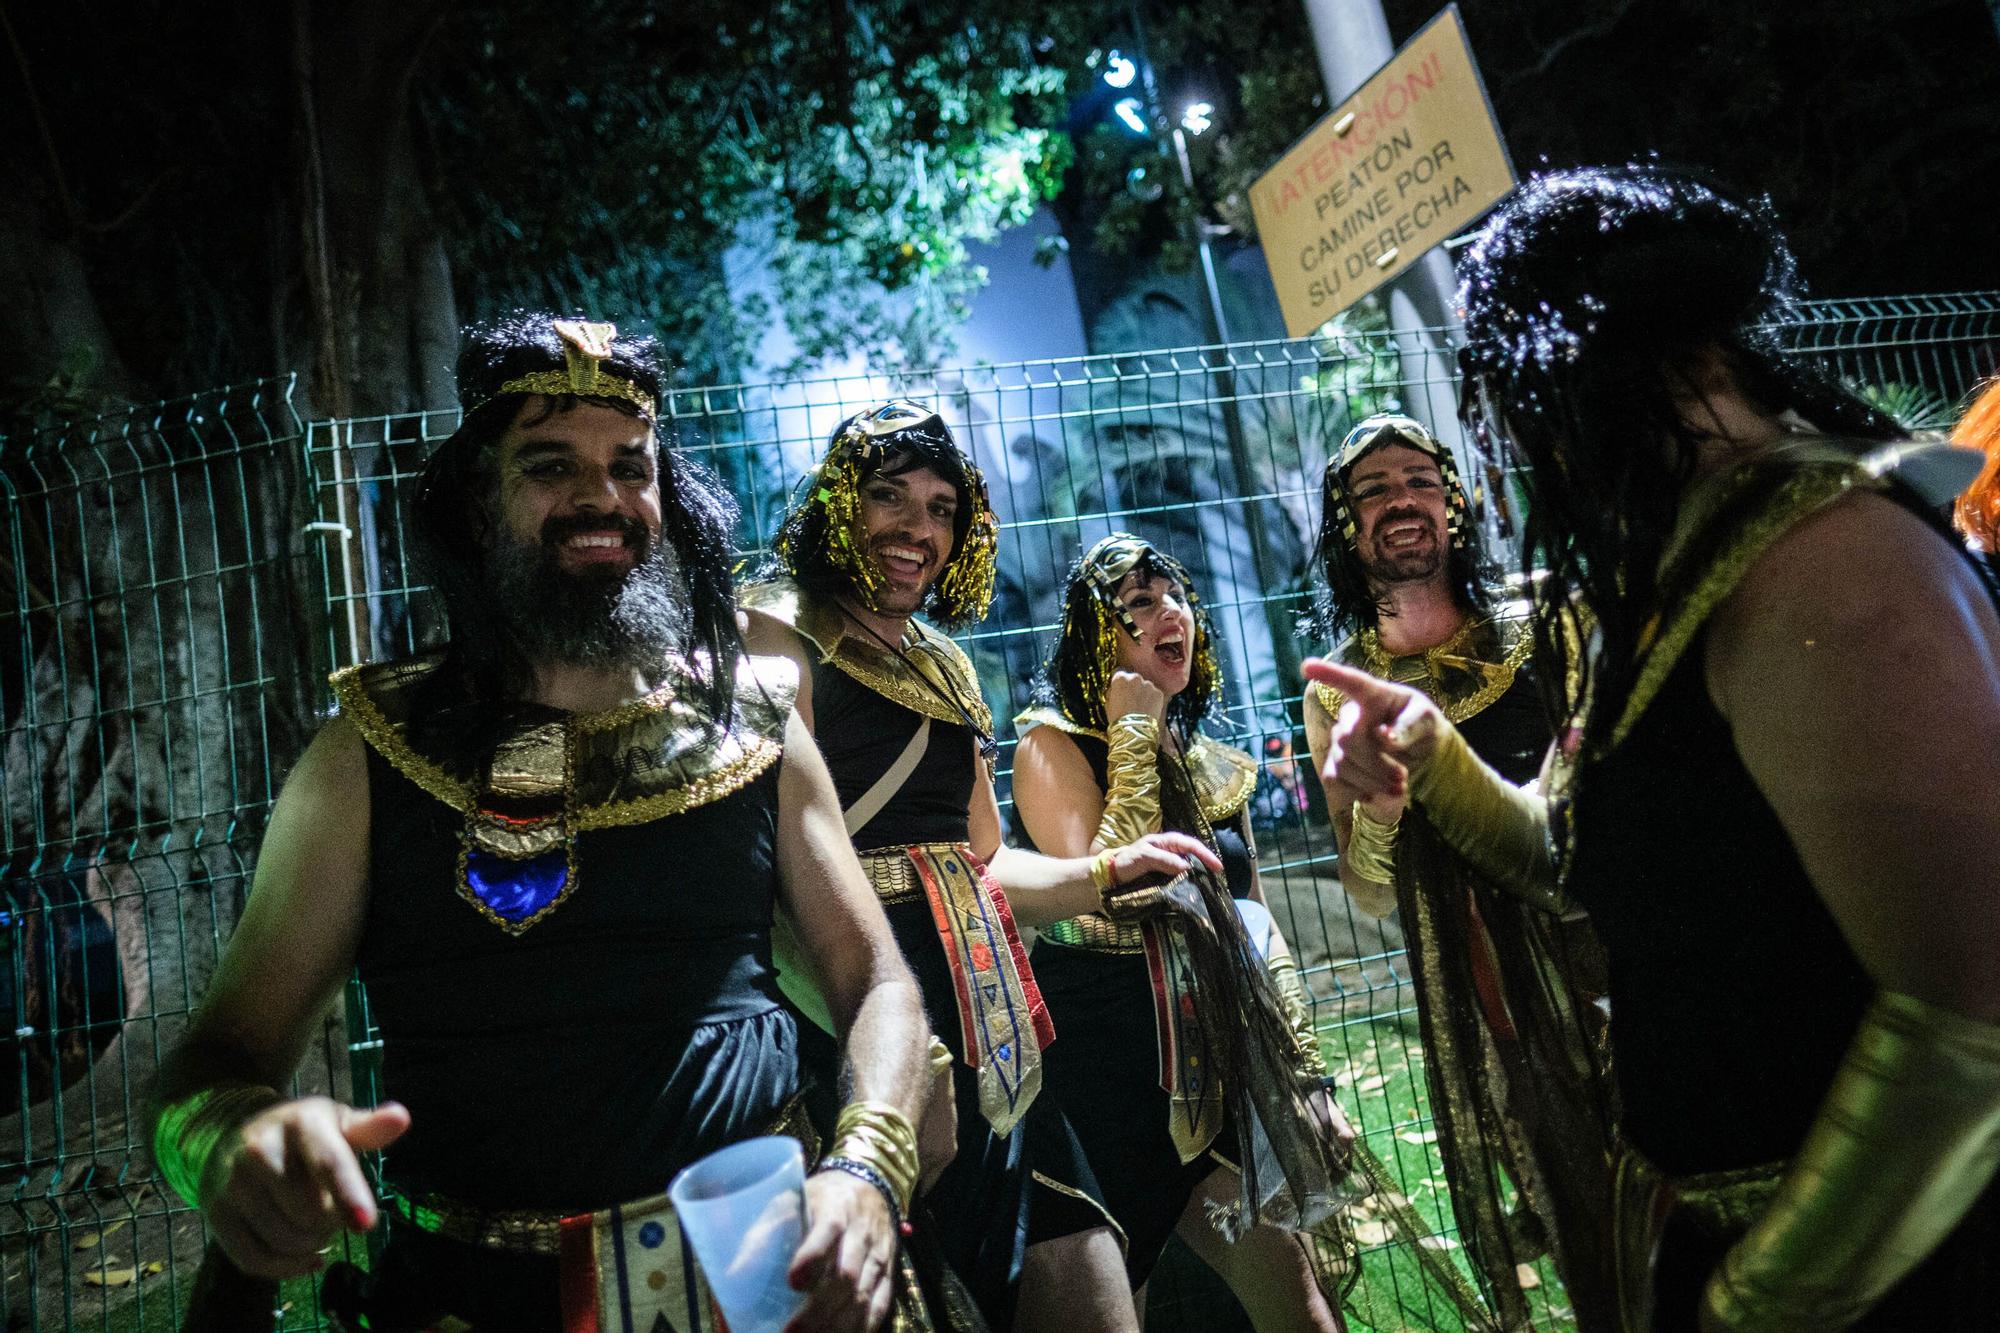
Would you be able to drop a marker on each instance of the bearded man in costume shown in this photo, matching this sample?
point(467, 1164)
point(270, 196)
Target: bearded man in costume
point(1778, 798)
point(502, 837)
point(1504, 988)
point(893, 521)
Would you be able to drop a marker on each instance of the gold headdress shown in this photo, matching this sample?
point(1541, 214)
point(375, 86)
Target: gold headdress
point(1103, 567)
point(586, 346)
point(1391, 428)
point(862, 445)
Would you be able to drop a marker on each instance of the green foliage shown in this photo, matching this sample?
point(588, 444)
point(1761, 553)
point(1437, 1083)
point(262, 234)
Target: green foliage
point(865, 144)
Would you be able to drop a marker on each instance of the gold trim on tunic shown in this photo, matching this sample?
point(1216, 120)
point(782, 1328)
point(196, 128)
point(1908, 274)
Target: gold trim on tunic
point(656, 756)
point(1463, 676)
point(931, 671)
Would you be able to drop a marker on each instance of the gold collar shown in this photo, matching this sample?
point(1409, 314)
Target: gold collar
point(929, 672)
point(1462, 675)
point(656, 756)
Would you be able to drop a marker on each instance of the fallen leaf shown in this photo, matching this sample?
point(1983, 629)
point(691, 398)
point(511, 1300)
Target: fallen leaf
point(1529, 1278)
point(152, 1269)
point(1371, 1084)
point(1416, 1137)
point(110, 1277)
point(1437, 1242)
point(90, 1240)
point(1371, 1233)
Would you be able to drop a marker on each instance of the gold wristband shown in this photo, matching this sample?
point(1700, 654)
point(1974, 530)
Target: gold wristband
point(1371, 847)
point(878, 1135)
point(940, 1055)
point(1503, 830)
point(1132, 780)
point(1906, 1141)
point(191, 1129)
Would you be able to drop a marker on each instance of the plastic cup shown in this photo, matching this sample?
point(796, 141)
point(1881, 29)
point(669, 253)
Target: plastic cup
point(743, 1209)
point(1257, 924)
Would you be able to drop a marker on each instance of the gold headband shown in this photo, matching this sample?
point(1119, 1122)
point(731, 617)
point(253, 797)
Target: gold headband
point(585, 347)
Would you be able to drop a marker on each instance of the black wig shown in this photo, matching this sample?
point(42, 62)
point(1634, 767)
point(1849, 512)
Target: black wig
point(815, 546)
point(1591, 297)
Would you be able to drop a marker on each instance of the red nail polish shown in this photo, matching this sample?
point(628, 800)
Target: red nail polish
point(905, 1230)
point(358, 1218)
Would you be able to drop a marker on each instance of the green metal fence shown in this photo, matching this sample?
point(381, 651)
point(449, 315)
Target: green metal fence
point(167, 673)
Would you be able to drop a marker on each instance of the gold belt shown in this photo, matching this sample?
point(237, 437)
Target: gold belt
point(528, 1231)
point(1722, 1204)
point(893, 875)
point(1097, 933)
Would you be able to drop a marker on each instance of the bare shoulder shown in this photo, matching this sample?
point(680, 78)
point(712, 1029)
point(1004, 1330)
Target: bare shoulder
point(1049, 748)
point(767, 636)
point(1862, 581)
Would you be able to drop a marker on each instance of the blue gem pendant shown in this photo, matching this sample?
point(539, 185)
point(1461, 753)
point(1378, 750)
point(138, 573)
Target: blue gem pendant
point(517, 856)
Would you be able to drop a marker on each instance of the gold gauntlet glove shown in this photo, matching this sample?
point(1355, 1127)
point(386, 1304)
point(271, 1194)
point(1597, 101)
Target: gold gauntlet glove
point(191, 1129)
point(1501, 829)
point(1284, 970)
point(1132, 781)
point(1371, 847)
point(1906, 1141)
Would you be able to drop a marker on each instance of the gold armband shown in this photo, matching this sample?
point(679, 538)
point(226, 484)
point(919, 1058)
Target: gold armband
point(1503, 830)
point(1132, 781)
point(190, 1130)
point(1907, 1139)
point(1285, 979)
point(880, 1137)
point(1371, 847)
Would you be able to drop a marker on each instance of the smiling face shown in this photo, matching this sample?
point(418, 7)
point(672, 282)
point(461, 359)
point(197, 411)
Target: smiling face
point(576, 565)
point(582, 485)
point(906, 530)
point(1400, 515)
point(1165, 649)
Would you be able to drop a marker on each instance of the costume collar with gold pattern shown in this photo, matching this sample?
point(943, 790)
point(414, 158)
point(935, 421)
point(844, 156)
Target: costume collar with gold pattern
point(1224, 776)
point(549, 782)
point(837, 641)
point(1462, 675)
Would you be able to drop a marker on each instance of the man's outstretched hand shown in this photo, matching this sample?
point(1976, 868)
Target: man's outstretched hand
point(289, 1180)
point(1383, 732)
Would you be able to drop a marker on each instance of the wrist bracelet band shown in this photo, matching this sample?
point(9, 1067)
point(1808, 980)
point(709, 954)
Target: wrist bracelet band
point(1100, 872)
point(1371, 847)
point(879, 1136)
point(190, 1130)
point(864, 1172)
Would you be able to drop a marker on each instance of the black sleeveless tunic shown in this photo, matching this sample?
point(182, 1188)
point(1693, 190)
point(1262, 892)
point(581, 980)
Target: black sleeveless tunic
point(1106, 1073)
point(1734, 994)
point(577, 1064)
point(1000, 1194)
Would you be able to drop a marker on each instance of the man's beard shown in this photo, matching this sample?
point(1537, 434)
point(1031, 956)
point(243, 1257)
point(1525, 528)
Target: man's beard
point(600, 618)
point(1417, 565)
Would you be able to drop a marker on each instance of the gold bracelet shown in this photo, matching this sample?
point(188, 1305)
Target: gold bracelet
point(940, 1055)
point(191, 1129)
point(878, 1135)
point(1371, 847)
point(1285, 979)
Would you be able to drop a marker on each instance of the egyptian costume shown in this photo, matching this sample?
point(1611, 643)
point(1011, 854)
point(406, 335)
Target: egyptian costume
point(1799, 1149)
point(1128, 1071)
point(569, 1022)
point(899, 729)
point(1158, 1014)
point(1505, 991)
point(1737, 999)
point(1513, 1047)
